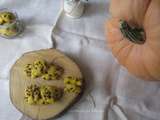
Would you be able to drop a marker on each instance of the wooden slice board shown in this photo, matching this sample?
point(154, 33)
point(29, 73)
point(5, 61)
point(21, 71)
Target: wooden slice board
point(19, 81)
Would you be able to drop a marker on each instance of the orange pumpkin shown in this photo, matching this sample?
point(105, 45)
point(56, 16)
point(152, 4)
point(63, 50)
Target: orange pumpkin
point(133, 34)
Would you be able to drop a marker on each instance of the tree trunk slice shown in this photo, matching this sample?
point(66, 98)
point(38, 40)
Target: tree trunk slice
point(19, 81)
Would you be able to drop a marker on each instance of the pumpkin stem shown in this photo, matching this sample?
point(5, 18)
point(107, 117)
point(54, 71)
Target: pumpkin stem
point(135, 35)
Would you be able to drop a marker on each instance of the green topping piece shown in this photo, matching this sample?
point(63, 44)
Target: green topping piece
point(6, 17)
point(72, 84)
point(39, 64)
point(35, 72)
point(28, 69)
point(73, 81)
point(46, 77)
point(72, 89)
point(39, 69)
point(36, 69)
point(54, 72)
point(50, 92)
point(32, 94)
point(42, 95)
point(11, 27)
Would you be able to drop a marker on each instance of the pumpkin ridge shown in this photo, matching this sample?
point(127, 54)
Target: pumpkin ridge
point(153, 50)
point(146, 12)
point(135, 16)
point(147, 69)
point(115, 45)
point(118, 52)
point(130, 47)
point(118, 43)
point(112, 27)
point(150, 14)
point(131, 70)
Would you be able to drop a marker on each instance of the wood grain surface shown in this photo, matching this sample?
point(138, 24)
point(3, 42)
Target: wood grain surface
point(19, 81)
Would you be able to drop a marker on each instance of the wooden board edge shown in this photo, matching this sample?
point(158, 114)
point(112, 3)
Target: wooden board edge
point(62, 112)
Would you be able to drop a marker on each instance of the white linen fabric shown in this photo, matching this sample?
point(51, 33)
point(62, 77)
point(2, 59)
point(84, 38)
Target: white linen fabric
point(84, 41)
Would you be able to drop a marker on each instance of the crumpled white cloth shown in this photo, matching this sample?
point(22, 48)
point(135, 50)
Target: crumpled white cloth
point(83, 40)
